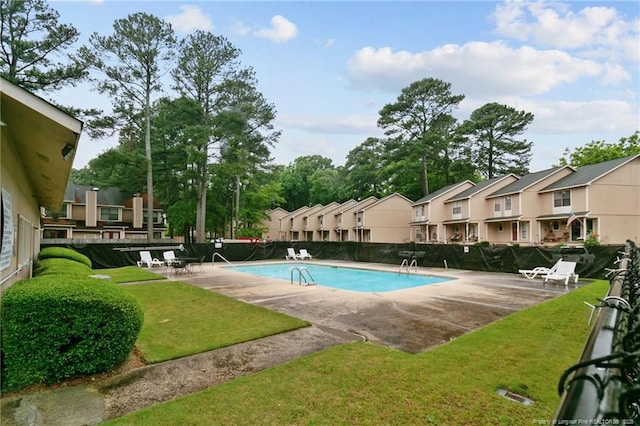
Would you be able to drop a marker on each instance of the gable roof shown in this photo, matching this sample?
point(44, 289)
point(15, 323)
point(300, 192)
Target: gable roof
point(382, 200)
point(440, 192)
point(527, 181)
point(478, 187)
point(585, 175)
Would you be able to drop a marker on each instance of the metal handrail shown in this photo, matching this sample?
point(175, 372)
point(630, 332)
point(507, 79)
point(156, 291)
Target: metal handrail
point(301, 271)
point(213, 259)
point(413, 264)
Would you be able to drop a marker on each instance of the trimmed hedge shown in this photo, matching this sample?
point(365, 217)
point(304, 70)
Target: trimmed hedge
point(59, 326)
point(53, 266)
point(64, 253)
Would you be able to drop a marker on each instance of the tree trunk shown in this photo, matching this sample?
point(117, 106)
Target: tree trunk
point(201, 206)
point(425, 177)
point(147, 148)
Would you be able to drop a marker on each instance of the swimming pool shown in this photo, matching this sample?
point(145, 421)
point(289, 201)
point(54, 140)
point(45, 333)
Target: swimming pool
point(363, 280)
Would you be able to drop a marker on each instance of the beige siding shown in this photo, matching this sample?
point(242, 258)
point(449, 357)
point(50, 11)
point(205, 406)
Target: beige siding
point(387, 221)
point(25, 213)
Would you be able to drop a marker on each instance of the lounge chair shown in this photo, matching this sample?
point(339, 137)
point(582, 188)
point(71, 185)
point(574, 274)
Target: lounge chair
point(291, 254)
point(538, 270)
point(304, 254)
point(563, 272)
point(148, 261)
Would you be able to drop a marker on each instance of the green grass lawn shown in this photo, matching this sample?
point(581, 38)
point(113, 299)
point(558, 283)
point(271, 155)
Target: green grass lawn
point(128, 274)
point(181, 320)
point(367, 384)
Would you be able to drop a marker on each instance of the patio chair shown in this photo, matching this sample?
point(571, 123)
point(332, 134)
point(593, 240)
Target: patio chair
point(291, 254)
point(538, 270)
point(304, 254)
point(563, 272)
point(148, 261)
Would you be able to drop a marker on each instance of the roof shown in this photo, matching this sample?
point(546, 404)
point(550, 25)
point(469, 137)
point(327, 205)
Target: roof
point(585, 175)
point(382, 200)
point(478, 187)
point(106, 197)
point(40, 133)
point(526, 181)
point(440, 192)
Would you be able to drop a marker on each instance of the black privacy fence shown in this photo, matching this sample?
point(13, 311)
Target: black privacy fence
point(604, 386)
point(591, 262)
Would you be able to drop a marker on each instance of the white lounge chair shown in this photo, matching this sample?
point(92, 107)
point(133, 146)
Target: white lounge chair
point(563, 272)
point(304, 254)
point(538, 270)
point(148, 261)
point(291, 254)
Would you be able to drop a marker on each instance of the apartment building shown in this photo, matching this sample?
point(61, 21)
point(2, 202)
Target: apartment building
point(90, 213)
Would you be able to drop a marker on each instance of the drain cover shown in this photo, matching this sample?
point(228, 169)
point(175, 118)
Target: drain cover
point(515, 397)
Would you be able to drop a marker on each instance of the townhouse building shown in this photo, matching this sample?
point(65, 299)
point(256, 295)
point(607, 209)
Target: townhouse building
point(560, 205)
point(90, 213)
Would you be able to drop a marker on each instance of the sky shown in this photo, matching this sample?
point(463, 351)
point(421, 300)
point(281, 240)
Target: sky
point(329, 67)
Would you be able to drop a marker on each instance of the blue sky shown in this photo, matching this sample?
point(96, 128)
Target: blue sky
point(329, 67)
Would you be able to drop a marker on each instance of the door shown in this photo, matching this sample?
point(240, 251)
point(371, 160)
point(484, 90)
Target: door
point(514, 231)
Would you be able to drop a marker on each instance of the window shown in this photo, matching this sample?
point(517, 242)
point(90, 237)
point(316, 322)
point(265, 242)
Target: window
point(54, 233)
point(156, 217)
point(457, 207)
point(110, 235)
point(109, 214)
point(417, 212)
point(62, 213)
point(562, 198)
point(500, 227)
point(524, 231)
point(507, 202)
point(496, 205)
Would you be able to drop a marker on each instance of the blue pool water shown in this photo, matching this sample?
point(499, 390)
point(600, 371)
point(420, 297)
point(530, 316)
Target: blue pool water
point(345, 278)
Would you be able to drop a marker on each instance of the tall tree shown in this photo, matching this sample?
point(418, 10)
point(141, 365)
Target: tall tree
point(363, 170)
point(133, 60)
point(414, 120)
point(209, 72)
point(296, 180)
point(492, 131)
point(600, 151)
point(31, 39)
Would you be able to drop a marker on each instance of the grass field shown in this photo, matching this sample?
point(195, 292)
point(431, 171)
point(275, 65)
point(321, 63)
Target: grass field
point(363, 383)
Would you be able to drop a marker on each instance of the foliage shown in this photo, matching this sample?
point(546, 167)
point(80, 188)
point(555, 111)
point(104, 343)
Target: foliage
point(31, 37)
point(131, 274)
point(59, 266)
point(419, 123)
point(491, 133)
point(212, 320)
point(363, 174)
point(296, 180)
point(350, 384)
point(132, 60)
point(592, 240)
point(600, 151)
point(64, 253)
point(60, 326)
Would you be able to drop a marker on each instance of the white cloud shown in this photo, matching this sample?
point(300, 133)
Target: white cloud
point(475, 69)
point(281, 30)
point(239, 28)
point(594, 30)
point(190, 19)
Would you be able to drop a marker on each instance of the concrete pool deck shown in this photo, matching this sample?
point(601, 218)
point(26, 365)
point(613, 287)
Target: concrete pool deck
point(411, 320)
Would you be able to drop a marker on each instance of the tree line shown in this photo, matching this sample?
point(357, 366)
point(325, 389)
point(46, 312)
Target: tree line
point(204, 154)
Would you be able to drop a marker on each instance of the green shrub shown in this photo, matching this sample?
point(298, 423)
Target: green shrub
point(53, 266)
point(57, 327)
point(63, 253)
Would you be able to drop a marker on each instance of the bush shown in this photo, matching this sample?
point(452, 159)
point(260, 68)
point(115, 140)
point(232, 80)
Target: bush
point(57, 327)
point(61, 267)
point(63, 253)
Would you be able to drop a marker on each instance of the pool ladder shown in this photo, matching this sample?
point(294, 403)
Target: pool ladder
point(303, 274)
point(405, 264)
